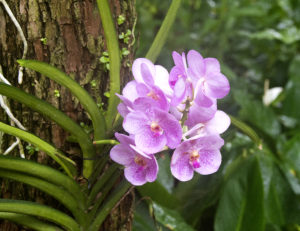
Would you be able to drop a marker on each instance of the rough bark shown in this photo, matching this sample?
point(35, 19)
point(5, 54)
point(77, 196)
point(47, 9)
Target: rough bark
point(74, 43)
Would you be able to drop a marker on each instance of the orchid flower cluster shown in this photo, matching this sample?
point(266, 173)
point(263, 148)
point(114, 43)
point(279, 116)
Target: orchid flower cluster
point(176, 111)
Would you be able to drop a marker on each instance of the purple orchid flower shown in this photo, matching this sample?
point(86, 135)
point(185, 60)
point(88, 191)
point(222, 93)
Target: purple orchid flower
point(215, 126)
point(209, 82)
point(152, 128)
point(144, 71)
point(201, 155)
point(139, 167)
point(179, 80)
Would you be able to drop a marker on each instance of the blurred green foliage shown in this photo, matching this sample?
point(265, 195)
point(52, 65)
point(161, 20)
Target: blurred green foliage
point(257, 186)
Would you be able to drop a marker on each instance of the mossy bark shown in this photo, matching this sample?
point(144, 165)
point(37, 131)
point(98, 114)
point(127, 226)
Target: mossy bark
point(67, 34)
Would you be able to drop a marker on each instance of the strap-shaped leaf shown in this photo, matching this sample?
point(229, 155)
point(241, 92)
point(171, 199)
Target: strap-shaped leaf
point(44, 172)
point(114, 60)
point(57, 116)
point(53, 190)
point(111, 202)
point(100, 183)
point(82, 95)
point(29, 221)
point(34, 209)
point(55, 154)
point(163, 32)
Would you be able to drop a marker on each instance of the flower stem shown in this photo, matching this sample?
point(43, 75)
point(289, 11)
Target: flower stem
point(112, 142)
point(163, 32)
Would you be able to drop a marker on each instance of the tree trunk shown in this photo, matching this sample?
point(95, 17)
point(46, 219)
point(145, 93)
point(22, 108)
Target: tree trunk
point(67, 34)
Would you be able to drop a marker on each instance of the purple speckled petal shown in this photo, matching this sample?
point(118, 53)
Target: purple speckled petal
point(179, 92)
point(122, 154)
point(150, 142)
point(135, 122)
point(123, 109)
point(177, 59)
point(196, 63)
point(161, 79)
point(171, 127)
point(135, 174)
point(152, 169)
point(201, 99)
point(218, 124)
point(212, 65)
point(158, 99)
point(129, 91)
point(209, 142)
point(199, 114)
point(123, 139)
point(137, 69)
point(142, 89)
point(175, 112)
point(210, 161)
point(217, 85)
point(180, 167)
point(146, 74)
point(174, 76)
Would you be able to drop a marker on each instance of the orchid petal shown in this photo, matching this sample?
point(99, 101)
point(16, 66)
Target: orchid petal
point(210, 161)
point(217, 85)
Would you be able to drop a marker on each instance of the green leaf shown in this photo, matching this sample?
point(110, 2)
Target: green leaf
point(34, 209)
point(241, 204)
point(163, 32)
point(141, 219)
point(54, 153)
point(165, 177)
point(158, 193)
point(112, 43)
point(55, 191)
point(282, 205)
point(288, 35)
point(59, 117)
point(110, 202)
point(81, 94)
point(29, 221)
point(44, 172)
point(292, 91)
point(170, 218)
point(261, 116)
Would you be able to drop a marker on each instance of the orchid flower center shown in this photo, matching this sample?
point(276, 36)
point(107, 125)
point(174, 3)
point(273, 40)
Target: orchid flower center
point(153, 95)
point(194, 159)
point(156, 128)
point(140, 161)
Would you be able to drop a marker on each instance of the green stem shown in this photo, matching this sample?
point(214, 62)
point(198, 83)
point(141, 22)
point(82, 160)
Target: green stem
point(112, 44)
point(54, 153)
point(29, 221)
point(246, 129)
point(112, 142)
point(99, 184)
point(163, 32)
point(81, 94)
point(43, 172)
point(110, 203)
point(60, 118)
point(53, 190)
point(34, 209)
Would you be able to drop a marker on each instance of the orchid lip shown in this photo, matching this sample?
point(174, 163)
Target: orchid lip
point(153, 95)
point(156, 128)
point(194, 159)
